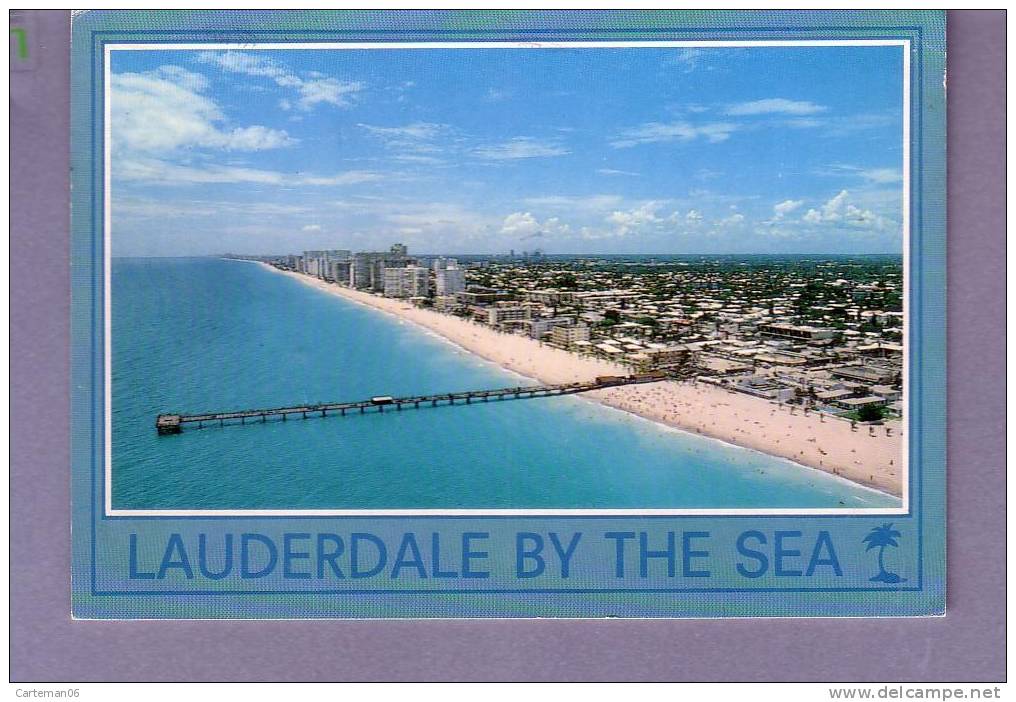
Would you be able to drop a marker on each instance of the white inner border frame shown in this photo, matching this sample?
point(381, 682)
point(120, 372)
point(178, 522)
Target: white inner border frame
point(297, 46)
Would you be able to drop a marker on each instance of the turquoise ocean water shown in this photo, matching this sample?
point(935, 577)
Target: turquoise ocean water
point(194, 335)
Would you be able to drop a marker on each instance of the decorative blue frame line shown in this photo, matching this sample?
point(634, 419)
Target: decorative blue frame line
point(915, 405)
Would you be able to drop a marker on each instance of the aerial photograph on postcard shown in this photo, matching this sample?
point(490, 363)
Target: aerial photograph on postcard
point(538, 278)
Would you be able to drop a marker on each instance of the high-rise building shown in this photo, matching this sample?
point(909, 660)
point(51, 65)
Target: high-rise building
point(312, 262)
point(393, 282)
point(407, 281)
point(339, 271)
point(450, 280)
point(361, 270)
point(417, 281)
point(441, 263)
point(319, 263)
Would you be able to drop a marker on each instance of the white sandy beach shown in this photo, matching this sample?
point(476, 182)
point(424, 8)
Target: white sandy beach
point(697, 407)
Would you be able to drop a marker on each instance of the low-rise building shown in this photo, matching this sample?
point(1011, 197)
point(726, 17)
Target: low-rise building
point(447, 304)
point(541, 326)
point(874, 375)
point(854, 403)
point(765, 387)
point(569, 335)
point(499, 314)
point(795, 331)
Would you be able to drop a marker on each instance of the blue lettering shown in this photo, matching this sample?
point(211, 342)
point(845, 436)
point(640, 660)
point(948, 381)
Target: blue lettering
point(565, 553)
point(408, 543)
point(227, 567)
point(468, 554)
point(742, 548)
point(329, 556)
point(824, 540)
point(245, 555)
point(289, 555)
point(779, 553)
point(435, 553)
point(522, 554)
point(135, 574)
point(619, 538)
point(645, 554)
point(688, 554)
point(174, 545)
point(354, 555)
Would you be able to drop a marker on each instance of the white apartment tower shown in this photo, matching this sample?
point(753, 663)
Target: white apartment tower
point(450, 280)
point(411, 281)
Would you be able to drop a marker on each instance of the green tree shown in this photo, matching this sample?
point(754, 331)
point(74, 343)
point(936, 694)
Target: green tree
point(870, 413)
point(566, 281)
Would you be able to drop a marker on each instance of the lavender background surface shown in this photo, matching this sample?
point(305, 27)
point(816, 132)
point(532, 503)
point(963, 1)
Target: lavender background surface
point(965, 645)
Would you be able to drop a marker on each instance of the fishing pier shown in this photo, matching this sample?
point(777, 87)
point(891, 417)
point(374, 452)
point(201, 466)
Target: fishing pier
point(174, 423)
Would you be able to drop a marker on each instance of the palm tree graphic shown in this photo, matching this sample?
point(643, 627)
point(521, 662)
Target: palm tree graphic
point(880, 537)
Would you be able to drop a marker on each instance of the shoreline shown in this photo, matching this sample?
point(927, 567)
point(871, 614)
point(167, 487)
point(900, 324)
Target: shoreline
point(696, 408)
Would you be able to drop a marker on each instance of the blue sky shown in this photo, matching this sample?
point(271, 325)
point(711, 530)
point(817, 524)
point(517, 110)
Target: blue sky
point(630, 150)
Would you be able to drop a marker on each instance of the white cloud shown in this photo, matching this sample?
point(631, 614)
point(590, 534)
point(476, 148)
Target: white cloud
point(604, 217)
point(255, 138)
point(418, 158)
point(412, 143)
point(330, 91)
point(187, 80)
point(804, 123)
point(627, 221)
point(152, 170)
point(164, 110)
point(587, 203)
point(839, 210)
point(520, 224)
point(520, 148)
point(495, 95)
point(615, 172)
point(660, 132)
point(831, 211)
point(416, 130)
point(523, 225)
point(730, 220)
point(345, 178)
point(782, 209)
point(312, 89)
point(882, 175)
point(310, 228)
point(247, 64)
point(686, 59)
point(436, 224)
point(771, 106)
point(128, 207)
point(851, 124)
point(877, 176)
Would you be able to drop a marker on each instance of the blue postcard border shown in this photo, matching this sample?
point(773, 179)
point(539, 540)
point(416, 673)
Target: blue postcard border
point(93, 435)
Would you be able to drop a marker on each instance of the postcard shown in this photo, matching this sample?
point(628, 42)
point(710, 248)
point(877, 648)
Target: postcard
point(495, 314)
